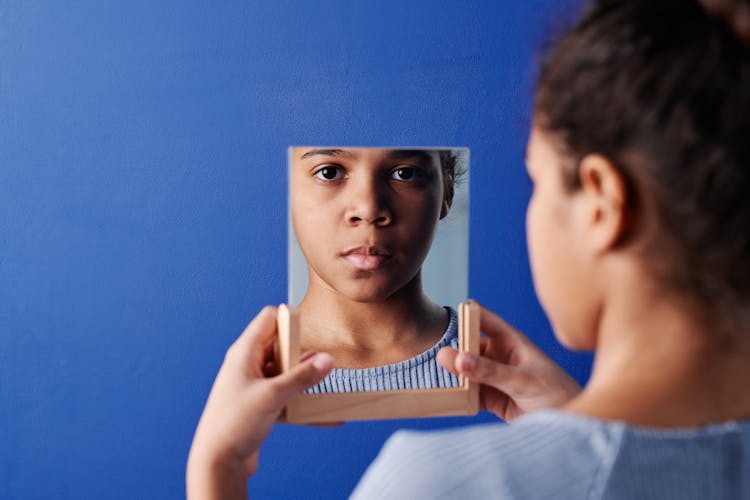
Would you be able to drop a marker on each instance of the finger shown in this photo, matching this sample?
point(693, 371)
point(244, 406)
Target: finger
point(250, 347)
point(490, 398)
point(494, 401)
point(484, 344)
point(501, 336)
point(496, 327)
point(257, 331)
point(446, 357)
point(304, 375)
point(505, 378)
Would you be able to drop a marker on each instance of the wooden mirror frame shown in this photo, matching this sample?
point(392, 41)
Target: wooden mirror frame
point(374, 405)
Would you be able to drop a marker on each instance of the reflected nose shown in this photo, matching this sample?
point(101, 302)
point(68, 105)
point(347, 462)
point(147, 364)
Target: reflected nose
point(369, 204)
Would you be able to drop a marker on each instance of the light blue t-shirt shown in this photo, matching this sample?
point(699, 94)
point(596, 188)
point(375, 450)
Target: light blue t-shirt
point(419, 372)
point(557, 455)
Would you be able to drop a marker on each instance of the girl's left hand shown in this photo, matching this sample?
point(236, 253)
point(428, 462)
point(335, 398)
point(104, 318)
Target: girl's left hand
point(516, 377)
point(246, 399)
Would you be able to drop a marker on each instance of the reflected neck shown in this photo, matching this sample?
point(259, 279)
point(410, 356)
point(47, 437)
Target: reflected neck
point(361, 334)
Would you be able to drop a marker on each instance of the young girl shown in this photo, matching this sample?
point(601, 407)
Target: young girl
point(365, 219)
point(639, 245)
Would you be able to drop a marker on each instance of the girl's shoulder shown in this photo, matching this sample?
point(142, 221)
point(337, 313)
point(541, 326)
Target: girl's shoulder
point(561, 455)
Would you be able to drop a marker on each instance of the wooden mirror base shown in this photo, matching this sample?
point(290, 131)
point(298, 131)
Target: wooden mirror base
point(374, 405)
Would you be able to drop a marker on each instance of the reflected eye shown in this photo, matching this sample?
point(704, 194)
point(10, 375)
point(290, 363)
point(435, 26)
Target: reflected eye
point(406, 174)
point(329, 173)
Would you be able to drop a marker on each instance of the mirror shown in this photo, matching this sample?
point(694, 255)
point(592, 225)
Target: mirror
point(378, 264)
point(445, 272)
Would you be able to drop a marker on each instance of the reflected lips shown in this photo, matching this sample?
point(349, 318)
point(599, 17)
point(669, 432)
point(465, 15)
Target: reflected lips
point(366, 258)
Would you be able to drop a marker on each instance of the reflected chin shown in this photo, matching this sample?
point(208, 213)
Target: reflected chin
point(366, 293)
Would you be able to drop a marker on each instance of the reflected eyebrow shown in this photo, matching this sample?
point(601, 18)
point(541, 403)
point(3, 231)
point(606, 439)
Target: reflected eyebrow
point(419, 154)
point(326, 152)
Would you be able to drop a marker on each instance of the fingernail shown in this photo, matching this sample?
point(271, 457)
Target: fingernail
point(322, 361)
point(468, 361)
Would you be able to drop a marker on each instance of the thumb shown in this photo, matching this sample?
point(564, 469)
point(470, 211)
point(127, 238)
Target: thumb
point(502, 377)
point(304, 375)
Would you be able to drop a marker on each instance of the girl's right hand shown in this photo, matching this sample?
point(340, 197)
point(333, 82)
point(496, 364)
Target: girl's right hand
point(247, 398)
point(516, 377)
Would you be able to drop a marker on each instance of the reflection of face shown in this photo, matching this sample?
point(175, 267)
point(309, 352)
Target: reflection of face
point(365, 218)
point(560, 278)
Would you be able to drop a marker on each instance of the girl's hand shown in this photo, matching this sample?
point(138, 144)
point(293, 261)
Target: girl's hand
point(247, 397)
point(516, 377)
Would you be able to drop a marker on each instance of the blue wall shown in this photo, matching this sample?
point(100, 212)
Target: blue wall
point(142, 209)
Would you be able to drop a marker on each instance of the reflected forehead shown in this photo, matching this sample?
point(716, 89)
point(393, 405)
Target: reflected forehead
point(420, 154)
point(327, 152)
point(425, 155)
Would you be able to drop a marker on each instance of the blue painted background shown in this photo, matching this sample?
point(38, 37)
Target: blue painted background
point(142, 209)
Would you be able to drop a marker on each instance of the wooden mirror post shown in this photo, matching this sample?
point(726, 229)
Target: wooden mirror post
point(373, 405)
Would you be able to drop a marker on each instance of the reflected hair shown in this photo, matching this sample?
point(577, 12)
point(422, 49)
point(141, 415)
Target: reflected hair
point(453, 167)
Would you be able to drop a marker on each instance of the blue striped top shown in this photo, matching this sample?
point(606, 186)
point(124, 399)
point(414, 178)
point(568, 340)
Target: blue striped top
point(558, 455)
point(419, 372)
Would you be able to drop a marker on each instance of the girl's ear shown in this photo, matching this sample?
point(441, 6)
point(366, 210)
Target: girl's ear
point(606, 202)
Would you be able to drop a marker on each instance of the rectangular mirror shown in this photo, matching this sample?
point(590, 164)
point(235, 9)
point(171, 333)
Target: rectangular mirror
point(378, 268)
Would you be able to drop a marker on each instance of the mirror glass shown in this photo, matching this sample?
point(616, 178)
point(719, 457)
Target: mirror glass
point(378, 261)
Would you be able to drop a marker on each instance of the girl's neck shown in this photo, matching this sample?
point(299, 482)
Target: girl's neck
point(362, 334)
point(659, 364)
